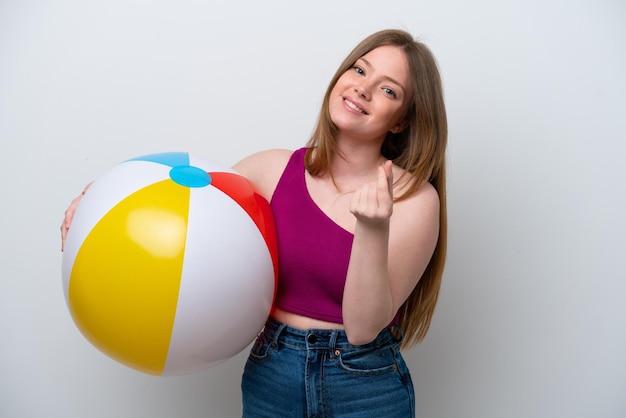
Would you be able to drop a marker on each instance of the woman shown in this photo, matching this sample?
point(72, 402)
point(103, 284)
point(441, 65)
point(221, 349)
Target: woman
point(361, 222)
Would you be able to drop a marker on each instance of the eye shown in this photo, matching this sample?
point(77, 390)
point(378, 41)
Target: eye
point(358, 70)
point(389, 92)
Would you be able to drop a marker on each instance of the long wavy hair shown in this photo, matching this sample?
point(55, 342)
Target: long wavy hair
point(419, 149)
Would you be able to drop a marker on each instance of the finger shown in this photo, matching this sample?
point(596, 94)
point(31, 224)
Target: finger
point(388, 170)
point(364, 197)
point(69, 214)
point(355, 202)
point(385, 183)
point(63, 234)
point(371, 200)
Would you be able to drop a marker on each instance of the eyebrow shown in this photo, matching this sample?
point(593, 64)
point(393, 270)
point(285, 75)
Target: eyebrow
point(391, 79)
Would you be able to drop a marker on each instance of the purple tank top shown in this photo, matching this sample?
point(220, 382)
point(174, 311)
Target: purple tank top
point(313, 250)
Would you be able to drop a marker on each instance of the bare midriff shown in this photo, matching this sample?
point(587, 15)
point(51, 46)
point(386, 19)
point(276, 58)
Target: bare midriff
point(302, 322)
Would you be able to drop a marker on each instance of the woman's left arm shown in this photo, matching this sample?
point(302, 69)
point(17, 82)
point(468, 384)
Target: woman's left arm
point(392, 246)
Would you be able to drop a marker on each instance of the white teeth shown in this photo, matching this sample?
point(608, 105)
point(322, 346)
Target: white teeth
point(353, 106)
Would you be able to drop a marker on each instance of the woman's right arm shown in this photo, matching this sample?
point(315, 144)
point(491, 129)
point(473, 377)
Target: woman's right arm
point(264, 169)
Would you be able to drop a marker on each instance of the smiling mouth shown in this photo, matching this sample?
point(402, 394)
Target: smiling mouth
point(354, 107)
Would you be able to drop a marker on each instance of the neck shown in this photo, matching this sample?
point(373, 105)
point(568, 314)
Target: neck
point(356, 165)
point(357, 156)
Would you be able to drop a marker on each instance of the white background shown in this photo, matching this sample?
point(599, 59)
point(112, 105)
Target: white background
point(532, 318)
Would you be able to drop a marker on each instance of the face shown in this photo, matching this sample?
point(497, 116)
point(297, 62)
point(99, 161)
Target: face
point(370, 99)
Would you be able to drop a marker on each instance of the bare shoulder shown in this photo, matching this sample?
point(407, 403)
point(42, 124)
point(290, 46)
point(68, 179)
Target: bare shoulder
point(423, 203)
point(416, 218)
point(262, 162)
point(426, 195)
point(264, 169)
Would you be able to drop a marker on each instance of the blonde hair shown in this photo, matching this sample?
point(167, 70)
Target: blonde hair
point(419, 149)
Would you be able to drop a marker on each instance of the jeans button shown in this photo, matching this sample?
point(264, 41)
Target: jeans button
point(311, 338)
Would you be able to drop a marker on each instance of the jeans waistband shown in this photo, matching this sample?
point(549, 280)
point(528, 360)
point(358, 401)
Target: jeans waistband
point(315, 338)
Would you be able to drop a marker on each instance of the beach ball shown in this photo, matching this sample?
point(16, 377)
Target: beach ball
point(170, 263)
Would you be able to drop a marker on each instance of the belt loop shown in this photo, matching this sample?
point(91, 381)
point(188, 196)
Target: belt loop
point(332, 342)
point(277, 333)
point(396, 331)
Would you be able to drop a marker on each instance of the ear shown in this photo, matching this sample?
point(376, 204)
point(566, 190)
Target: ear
point(401, 126)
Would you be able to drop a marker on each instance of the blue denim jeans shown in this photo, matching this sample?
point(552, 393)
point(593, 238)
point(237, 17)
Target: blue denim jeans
point(318, 373)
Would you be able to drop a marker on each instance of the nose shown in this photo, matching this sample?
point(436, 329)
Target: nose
point(363, 90)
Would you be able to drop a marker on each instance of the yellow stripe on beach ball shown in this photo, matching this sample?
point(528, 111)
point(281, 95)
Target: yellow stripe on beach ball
point(123, 288)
